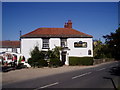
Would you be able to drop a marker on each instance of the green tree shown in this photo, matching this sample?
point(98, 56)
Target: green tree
point(101, 50)
point(56, 52)
point(113, 42)
point(37, 58)
point(97, 49)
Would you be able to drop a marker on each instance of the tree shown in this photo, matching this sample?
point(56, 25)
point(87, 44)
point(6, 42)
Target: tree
point(98, 49)
point(113, 42)
point(37, 58)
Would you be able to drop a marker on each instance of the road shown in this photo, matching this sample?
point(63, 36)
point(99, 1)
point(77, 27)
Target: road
point(85, 78)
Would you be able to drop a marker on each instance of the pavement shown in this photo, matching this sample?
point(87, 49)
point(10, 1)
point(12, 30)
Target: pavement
point(32, 73)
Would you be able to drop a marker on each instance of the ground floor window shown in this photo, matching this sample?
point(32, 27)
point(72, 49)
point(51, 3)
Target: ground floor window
point(89, 52)
point(14, 50)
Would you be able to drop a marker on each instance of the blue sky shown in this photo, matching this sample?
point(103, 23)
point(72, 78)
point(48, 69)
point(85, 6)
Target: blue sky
point(94, 18)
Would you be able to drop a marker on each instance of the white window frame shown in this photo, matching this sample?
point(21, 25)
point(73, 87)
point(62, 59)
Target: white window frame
point(45, 43)
point(63, 42)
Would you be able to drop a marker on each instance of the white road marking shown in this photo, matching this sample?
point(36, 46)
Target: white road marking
point(50, 85)
point(81, 75)
point(101, 69)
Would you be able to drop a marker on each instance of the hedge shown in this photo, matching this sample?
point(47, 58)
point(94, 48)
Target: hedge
point(80, 61)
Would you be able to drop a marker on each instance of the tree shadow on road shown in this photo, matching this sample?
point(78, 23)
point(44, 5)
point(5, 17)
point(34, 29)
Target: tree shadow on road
point(115, 70)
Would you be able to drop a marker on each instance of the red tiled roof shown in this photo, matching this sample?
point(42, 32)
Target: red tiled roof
point(10, 44)
point(55, 32)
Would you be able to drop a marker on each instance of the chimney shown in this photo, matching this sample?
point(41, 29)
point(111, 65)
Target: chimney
point(68, 24)
point(65, 26)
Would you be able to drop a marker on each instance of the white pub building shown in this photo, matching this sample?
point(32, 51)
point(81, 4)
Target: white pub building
point(75, 43)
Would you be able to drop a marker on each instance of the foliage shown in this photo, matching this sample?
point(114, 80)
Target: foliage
point(37, 58)
point(113, 42)
point(101, 50)
point(36, 54)
point(80, 61)
point(56, 52)
point(55, 62)
point(54, 56)
point(40, 58)
point(20, 59)
point(41, 63)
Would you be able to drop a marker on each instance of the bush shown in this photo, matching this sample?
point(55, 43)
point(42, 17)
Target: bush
point(55, 62)
point(38, 63)
point(42, 63)
point(38, 58)
point(80, 61)
point(31, 62)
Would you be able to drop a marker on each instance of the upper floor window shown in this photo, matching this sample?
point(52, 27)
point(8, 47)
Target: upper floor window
point(80, 44)
point(46, 43)
point(63, 42)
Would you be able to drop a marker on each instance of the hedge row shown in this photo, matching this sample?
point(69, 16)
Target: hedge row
point(80, 61)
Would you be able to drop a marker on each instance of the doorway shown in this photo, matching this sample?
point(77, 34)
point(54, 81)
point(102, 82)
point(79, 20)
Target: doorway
point(63, 54)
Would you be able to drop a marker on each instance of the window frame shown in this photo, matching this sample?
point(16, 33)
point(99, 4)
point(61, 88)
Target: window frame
point(63, 42)
point(80, 44)
point(45, 43)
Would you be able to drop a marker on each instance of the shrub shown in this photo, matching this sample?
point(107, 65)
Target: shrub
point(80, 61)
point(42, 63)
point(55, 62)
point(38, 63)
point(31, 62)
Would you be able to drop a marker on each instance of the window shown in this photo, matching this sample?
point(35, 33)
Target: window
point(80, 44)
point(63, 42)
point(14, 50)
point(89, 52)
point(46, 43)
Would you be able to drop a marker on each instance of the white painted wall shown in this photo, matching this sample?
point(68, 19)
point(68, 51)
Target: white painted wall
point(28, 44)
point(80, 52)
point(9, 50)
point(54, 42)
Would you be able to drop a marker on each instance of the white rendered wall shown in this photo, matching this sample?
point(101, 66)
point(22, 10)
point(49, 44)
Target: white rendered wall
point(80, 52)
point(28, 44)
point(54, 42)
point(18, 50)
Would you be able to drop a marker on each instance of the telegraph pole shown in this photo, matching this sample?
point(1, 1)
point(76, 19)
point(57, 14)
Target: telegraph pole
point(20, 40)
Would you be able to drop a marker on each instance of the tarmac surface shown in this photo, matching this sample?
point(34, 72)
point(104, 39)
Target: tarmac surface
point(32, 73)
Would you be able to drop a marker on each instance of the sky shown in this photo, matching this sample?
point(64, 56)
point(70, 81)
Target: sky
point(93, 18)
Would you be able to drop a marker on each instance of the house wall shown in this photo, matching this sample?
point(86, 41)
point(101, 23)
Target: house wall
point(80, 51)
point(9, 50)
point(54, 42)
point(28, 44)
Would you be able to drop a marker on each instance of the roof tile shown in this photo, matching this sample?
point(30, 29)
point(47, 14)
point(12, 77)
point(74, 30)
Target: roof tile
point(55, 32)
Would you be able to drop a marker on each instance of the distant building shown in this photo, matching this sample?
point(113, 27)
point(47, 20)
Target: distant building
point(10, 46)
point(75, 43)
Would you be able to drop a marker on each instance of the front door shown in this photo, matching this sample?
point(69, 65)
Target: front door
point(63, 57)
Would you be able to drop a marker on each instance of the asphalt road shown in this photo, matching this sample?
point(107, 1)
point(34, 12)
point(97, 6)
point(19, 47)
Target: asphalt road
point(95, 77)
